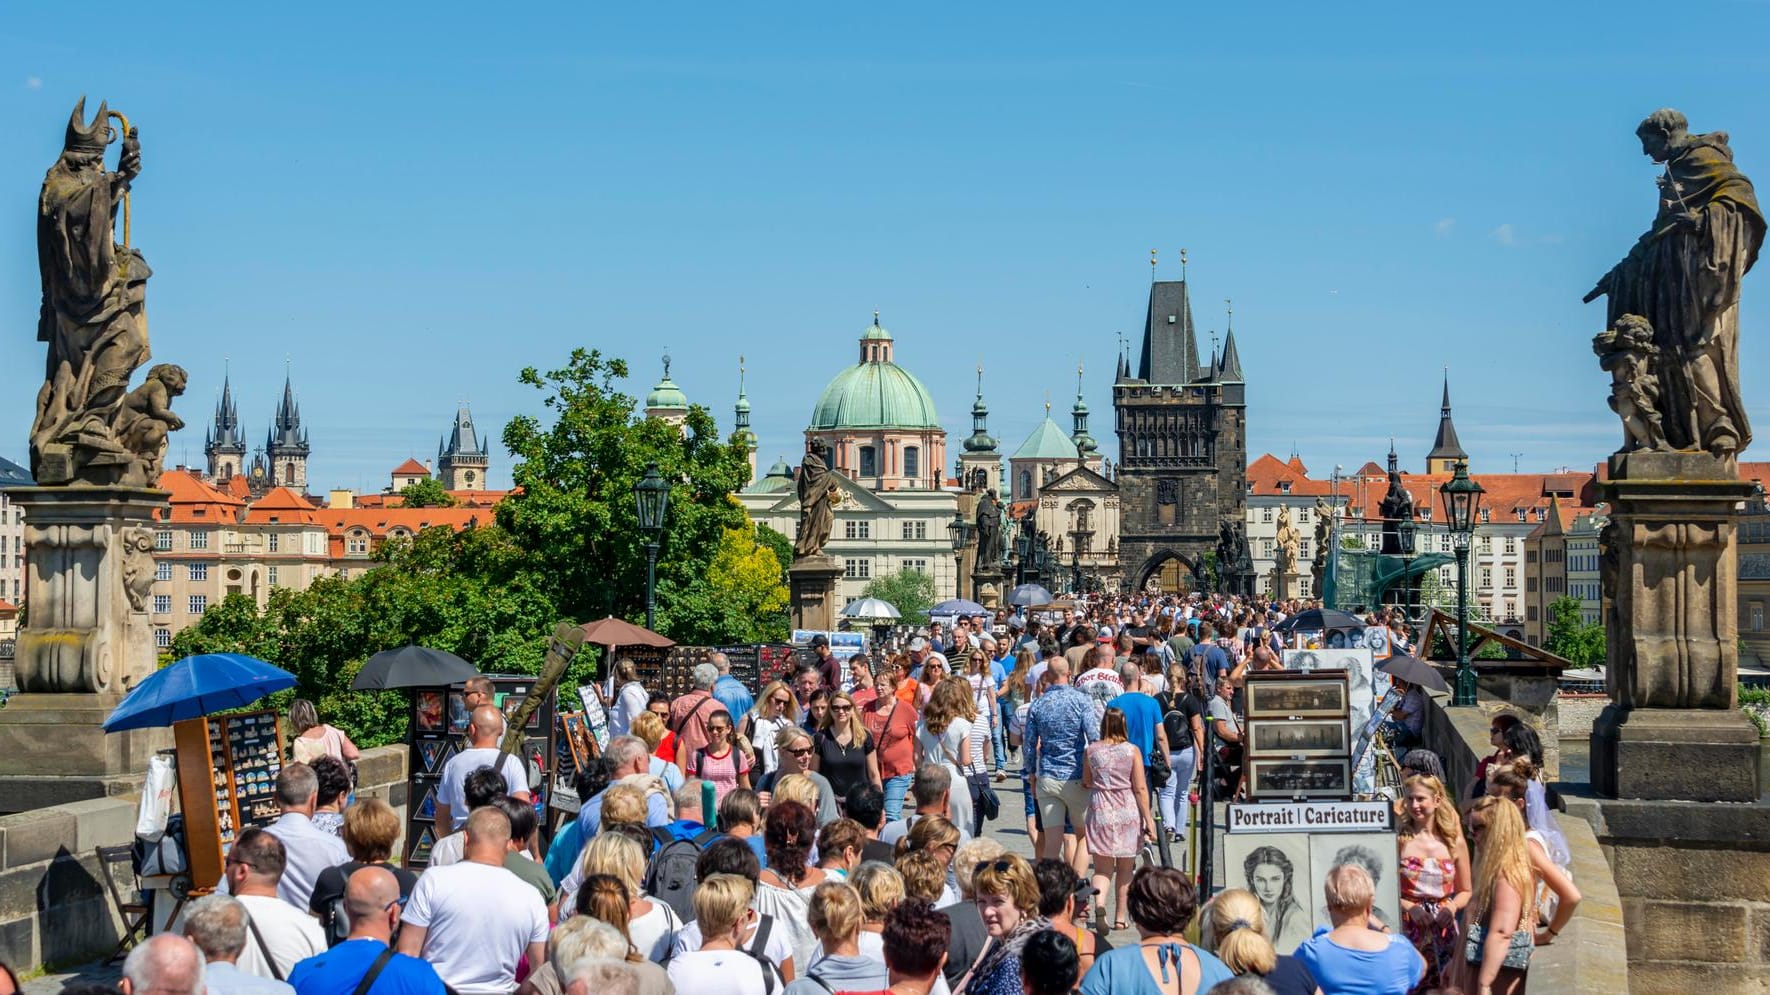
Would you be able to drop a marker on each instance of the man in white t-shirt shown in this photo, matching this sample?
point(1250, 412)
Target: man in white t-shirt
point(1101, 683)
point(484, 728)
point(473, 921)
point(279, 935)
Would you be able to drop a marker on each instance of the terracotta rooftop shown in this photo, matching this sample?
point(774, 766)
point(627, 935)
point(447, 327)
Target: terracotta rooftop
point(7, 607)
point(282, 506)
point(192, 500)
point(411, 468)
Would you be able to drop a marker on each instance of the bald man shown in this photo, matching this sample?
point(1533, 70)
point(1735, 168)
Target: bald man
point(473, 921)
point(485, 728)
point(163, 964)
point(371, 897)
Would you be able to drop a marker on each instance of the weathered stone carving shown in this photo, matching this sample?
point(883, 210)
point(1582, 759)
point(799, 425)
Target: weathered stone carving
point(138, 565)
point(818, 494)
point(1324, 532)
point(990, 546)
point(1397, 507)
point(94, 320)
point(1683, 278)
point(1628, 354)
point(1288, 543)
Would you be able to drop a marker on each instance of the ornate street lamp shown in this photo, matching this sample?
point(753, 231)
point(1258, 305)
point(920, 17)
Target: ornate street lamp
point(652, 496)
point(961, 532)
point(1462, 503)
point(1406, 537)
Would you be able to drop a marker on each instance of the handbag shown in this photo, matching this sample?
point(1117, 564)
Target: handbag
point(1517, 951)
point(1159, 770)
point(988, 802)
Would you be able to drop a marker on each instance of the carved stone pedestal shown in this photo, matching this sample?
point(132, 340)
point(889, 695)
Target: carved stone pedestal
point(1286, 585)
point(87, 641)
point(988, 592)
point(811, 582)
point(1673, 729)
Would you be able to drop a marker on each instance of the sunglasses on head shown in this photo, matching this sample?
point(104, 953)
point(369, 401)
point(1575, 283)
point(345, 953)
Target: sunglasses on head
point(1001, 866)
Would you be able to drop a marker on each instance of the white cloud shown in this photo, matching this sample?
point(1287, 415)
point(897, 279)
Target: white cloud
point(1503, 234)
point(33, 82)
point(1443, 226)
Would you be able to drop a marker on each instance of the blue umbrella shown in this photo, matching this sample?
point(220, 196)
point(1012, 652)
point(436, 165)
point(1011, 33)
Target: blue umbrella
point(958, 606)
point(197, 686)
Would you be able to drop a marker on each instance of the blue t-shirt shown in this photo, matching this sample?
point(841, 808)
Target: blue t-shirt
point(1343, 971)
point(734, 696)
point(1121, 971)
point(1142, 713)
point(339, 970)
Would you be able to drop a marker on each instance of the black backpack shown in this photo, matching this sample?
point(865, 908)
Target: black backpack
point(670, 873)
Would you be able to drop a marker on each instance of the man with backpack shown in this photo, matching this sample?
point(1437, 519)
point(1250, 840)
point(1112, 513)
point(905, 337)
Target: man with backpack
point(670, 873)
point(690, 714)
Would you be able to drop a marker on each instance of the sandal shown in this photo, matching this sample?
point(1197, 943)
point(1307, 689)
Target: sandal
point(1120, 925)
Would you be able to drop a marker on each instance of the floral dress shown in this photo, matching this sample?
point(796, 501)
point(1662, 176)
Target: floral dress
point(1114, 824)
point(1430, 881)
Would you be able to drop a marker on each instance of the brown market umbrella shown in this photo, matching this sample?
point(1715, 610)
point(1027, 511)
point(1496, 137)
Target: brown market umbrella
point(612, 631)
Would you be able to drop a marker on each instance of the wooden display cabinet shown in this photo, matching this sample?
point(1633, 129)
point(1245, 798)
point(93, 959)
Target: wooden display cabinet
point(227, 772)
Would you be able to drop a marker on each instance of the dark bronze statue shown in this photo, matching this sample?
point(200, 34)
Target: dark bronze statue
point(89, 428)
point(818, 495)
point(1397, 507)
point(1683, 278)
point(990, 547)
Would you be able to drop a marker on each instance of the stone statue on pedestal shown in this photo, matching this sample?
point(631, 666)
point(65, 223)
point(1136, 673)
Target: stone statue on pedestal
point(1683, 277)
point(1397, 507)
point(1288, 543)
point(1324, 538)
point(990, 547)
point(818, 494)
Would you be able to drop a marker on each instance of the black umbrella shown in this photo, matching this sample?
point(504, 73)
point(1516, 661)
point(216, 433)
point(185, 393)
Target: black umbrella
point(1029, 596)
point(1414, 670)
point(412, 667)
point(1318, 620)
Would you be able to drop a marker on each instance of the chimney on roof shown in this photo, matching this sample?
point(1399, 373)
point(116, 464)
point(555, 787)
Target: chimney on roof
point(427, 466)
point(340, 498)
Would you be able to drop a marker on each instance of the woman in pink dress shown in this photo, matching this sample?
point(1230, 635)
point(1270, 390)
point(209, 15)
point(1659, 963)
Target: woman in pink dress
point(1435, 877)
point(1118, 818)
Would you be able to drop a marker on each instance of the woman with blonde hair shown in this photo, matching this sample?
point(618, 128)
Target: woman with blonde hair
point(1497, 939)
point(1435, 877)
point(776, 709)
point(938, 838)
point(835, 916)
point(880, 888)
point(649, 727)
point(1554, 894)
point(651, 925)
point(944, 737)
point(1008, 902)
point(722, 910)
point(796, 750)
point(1235, 930)
point(846, 755)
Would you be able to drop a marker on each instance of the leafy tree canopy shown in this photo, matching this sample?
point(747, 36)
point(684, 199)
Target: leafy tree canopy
point(1571, 637)
point(911, 592)
point(427, 493)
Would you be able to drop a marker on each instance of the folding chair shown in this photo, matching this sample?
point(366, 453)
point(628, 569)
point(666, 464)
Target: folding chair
point(137, 914)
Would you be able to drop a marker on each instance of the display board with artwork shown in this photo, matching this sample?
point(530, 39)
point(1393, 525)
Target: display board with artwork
point(1287, 869)
point(1299, 740)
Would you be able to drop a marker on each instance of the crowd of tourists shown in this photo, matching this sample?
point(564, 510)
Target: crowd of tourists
point(830, 831)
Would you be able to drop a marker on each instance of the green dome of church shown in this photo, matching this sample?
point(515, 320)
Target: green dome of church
point(875, 392)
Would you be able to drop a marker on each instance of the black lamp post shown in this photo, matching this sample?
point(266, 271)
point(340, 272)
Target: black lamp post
point(1406, 537)
point(1462, 502)
point(652, 495)
point(961, 531)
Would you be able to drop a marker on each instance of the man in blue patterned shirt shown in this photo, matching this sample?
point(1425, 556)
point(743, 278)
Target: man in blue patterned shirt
point(1059, 727)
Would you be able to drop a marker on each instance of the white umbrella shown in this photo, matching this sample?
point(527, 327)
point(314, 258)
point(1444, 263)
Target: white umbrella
point(870, 608)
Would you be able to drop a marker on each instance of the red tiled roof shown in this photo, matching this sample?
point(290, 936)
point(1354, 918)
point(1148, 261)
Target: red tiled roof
point(7, 607)
point(280, 505)
point(238, 486)
point(379, 523)
point(465, 499)
point(411, 468)
point(1267, 474)
point(193, 500)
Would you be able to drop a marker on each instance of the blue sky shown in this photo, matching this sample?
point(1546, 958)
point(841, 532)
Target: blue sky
point(408, 203)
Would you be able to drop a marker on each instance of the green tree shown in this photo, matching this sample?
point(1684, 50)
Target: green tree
point(427, 493)
point(743, 599)
point(1571, 637)
point(911, 592)
point(782, 546)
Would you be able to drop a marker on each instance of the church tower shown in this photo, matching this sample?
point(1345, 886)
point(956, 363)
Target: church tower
point(461, 458)
point(1446, 450)
point(980, 461)
point(1086, 447)
point(1182, 445)
point(286, 444)
point(224, 445)
point(741, 432)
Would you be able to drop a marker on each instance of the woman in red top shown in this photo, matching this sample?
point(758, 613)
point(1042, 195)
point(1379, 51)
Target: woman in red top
point(891, 721)
point(666, 749)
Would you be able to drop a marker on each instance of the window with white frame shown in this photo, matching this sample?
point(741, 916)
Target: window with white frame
point(199, 603)
point(856, 528)
point(273, 542)
point(200, 539)
point(163, 540)
point(857, 569)
point(198, 571)
point(920, 566)
point(162, 604)
point(162, 571)
point(357, 543)
point(271, 575)
point(916, 529)
point(1266, 514)
point(162, 638)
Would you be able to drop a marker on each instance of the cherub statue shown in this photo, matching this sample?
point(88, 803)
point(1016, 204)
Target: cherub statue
point(146, 418)
point(1627, 352)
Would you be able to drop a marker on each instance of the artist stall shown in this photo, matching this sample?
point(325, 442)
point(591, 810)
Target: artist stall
point(227, 776)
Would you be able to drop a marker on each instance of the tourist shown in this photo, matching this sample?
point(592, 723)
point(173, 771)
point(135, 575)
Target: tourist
point(892, 722)
point(1100, 681)
point(860, 684)
point(730, 691)
point(217, 925)
point(604, 897)
point(1118, 819)
point(1183, 727)
point(1008, 902)
point(331, 795)
point(474, 921)
point(807, 681)
point(1420, 760)
point(980, 679)
point(659, 704)
point(162, 964)
point(1066, 901)
point(924, 877)
point(866, 806)
point(690, 714)
point(627, 757)
point(481, 787)
point(475, 692)
point(829, 666)
point(720, 761)
point(838, 848)
point(313, 739)
point(371, 827)
point(931, 791)
point(524, 827)
point(845, 754)
point(1499, 931)
point(372, 899)
point(930, 674)
point(740, 817)
point(789, 830)
point(835, 916)
point(1554, 891)
point(307, 850)
point(581, 939)
point(761, 937)
point(1226, 726)
point(650, 922)
point(1407, 721)
point(1435, 877)
point(1352, 958)
point(1050, 964)
point(879, 888)
point(485, 729)
point(630, 701)
point(775, 709)
point(1497, 727)
point(796, 752)
point(1236, 933)
point(941, 839)
point(1162, 902)
point(648, 727)
point(915, 940)
point(284, 933)
point(817, 709)
point(721, 963)
point(690, 822)
point(1059, 727)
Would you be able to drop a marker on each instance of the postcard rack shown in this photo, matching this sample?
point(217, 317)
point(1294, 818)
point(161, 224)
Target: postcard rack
point(227, 776)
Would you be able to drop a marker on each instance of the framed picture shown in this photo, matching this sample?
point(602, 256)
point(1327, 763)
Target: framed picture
point(427, 715)
point(1278, 696)
point(1284, 778)
point(1275, 867)
point(1297, 738)
point(1375, 852)
point(457, 714)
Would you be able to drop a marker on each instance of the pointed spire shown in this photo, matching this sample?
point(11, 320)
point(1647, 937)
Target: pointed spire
point(741, 413)
point(980, 441)
point(1446, 448)
point(1085, 444)
point(286, 439)
point(1170, 343)
point(1229, 367)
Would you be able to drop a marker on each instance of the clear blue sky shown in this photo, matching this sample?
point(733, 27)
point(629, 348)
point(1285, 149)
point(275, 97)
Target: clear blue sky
point(408, 207)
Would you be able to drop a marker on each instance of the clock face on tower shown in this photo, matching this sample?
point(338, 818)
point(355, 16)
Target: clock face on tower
point(469, 476)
